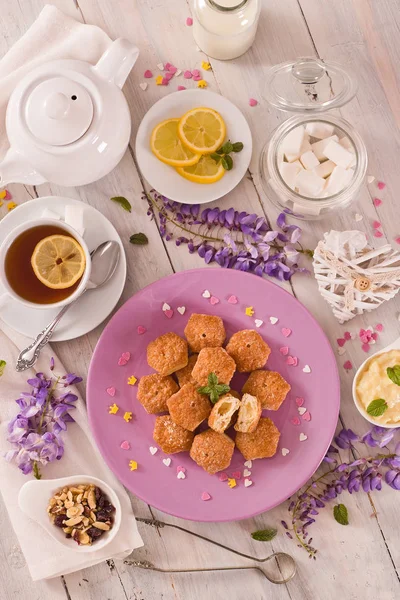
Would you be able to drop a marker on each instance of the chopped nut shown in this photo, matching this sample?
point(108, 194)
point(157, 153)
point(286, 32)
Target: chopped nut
point(74, 511)
point(84, 538)
point(74, 490)
point(67, 529)
point(92, 515)
point(69, 495)
point(79, 498)
point(68, 503)
point(92, 499)
point(100, 525)
point(85, 495)
point(62, 496)
point(85, 521)
point(73, 521)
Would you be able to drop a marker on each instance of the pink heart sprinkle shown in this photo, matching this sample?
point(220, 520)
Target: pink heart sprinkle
point(126, 356)
point(397, 240)
point(187, 75)
point(189, 21)
point(164, 81)
point(223, 477)
point(122, 362)
point(167, 66)
point(232, 300)
point(379, 327)
point(286, 332)
point(292, 360)
point(374, 336)
point(181, 87)
point(295, 421)
point(197, 77)
point(347, 335)
point(376, 224)
point(253, 102)
point(341, 342)
point(8, 196)
point(196, 73)
point(347, 365)
point(111, 391)
point(169, 313)
point(172, 69)
point(148, 74)
point(236, 475)
point(180, 469)
point(377, 202)
point(141, 330)
point(299, 401)
point(168, 76)
point(284, 350)
point(381, 185)
point(378, 234)
point(365, 347)
point(125, 445)
point(307, 416)
point(214, 300)
point(205, 496)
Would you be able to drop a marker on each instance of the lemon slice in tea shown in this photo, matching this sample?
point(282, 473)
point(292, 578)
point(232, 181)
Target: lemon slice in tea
point(58, 261)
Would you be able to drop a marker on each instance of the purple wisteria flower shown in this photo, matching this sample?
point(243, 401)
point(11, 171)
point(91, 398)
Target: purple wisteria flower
point(35, 431)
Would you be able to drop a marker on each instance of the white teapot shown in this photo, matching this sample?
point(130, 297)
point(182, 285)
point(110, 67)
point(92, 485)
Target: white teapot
point(68, 122)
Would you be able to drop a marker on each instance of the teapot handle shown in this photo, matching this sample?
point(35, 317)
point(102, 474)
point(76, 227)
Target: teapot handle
point(117, 62)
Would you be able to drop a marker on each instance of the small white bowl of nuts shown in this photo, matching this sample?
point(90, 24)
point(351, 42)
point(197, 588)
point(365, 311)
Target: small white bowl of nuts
point(81, 512)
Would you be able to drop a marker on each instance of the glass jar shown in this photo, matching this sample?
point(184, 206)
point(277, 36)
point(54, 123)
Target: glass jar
point(225, 29)
point(310, 87)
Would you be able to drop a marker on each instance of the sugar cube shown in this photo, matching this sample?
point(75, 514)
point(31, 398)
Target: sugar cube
point(338, 180)
point(292, 143)
point(339, 155)
point(309, 160)
point(319, 130)
point(305, 147)
point(289, 172)
point(324, 169)
point(346, 143)
point(309, 184)
point(319, 147)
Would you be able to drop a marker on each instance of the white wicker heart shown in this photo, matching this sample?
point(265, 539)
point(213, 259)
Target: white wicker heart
point(353, 277)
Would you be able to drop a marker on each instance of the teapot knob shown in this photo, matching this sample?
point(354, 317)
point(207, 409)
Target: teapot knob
point(57, 106)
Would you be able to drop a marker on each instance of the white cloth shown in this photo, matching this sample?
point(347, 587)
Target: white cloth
point(52, 36)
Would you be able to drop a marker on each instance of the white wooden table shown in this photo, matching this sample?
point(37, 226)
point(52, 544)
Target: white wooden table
point(360, 561)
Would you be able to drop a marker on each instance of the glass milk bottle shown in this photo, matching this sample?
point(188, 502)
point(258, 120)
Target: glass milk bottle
point(225, 29)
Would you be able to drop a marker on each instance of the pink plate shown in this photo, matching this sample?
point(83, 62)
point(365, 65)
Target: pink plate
point(142, 319)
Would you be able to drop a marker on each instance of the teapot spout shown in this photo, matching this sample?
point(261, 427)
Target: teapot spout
point(117, 62)
point(15, 169)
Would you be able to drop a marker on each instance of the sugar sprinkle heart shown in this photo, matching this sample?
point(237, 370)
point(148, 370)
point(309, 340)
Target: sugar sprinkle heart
point(126, 356)
point(284, 350)
point(160, 66)
point(125, 445)
point(307, 416)
point(169, 313)
point(133, 465)
point(273, 320)
point(231, 482)
point(299, 401)
point(303, 437)
point(166, 306)
point(379, 327)
point(223, 477)
point(113, 409)
point(348, 365)
point(248, 464)
point(236, 475)
point(181, 87)
point(295, 421)
point(307, 369)
point(347, 335)
point(258, 322)
point(377, 202)
point(196, 73)
point(178, 72)
point(181, 310)
point(341, 342)
point(189, 21)
point(358, 217)
point(253, 102)
point(397, 239)
point(181, 475)
point(143, 86)
point(381, 185)
point(188, 75)
point(205, 496)
point(248, 483)
point(377, 233)
point(180, 468)
point(214, 300)
point(166, 461)
point(148, 74)
point(302, 410)
point(153, 450)
point(164, 81)
point(246, 473)
point(292, 361)
point(365, 347)
point(249, 310)
point(168, 76)
point(141, 330)
point(122, 362)
point(341, 351)
point(376, 224)
point(206, 294)
point(286, 331)
point(285, 451)
point(232, 300)
point(370, 179)
point(111, 391)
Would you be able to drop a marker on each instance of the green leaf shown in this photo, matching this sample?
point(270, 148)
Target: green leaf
point(227, 147)
point(205, 390)
point(214, 396)
point(264, 535)
point(341, 515)
point(222, 388)
point(394, 374)
point(237, 147)
point(214, 389)
point(126, 205)
point(220, 151)
point(212, 379)
point(227, 163)
point(2, 366)
point(139, 239)
point(377, 407)
point(215, 157)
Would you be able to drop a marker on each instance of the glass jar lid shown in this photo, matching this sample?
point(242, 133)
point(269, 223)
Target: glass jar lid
point(308, 85)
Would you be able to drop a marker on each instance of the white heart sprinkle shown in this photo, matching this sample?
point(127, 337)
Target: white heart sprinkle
point(167, 461)
point(181, 475)
point(166, 306)
point(358, 217)
point(306, 369)
point(353, 336)
point(181, 310)
point(154, 450)
point(179, 72)
point(160, 66)
point(143, 86)
point(206, 294)
point(258, 322)
point(285, 451)
point(248, 464)
point(370, 178)
point(273, 320)
point(341, 351)
point(302, 410)
point(302, 437)
point(248, 482)
point(246, 473)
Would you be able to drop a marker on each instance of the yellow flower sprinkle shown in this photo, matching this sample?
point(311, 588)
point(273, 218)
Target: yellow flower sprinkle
point(249, 311)
point(232, 483)
point(132, 380)
point(113, 409)
point(133, 465)
point(202, 83)
point(159, 79)
point(205, 65)
point(3, 194)
point(128, 417)
point(11, 205)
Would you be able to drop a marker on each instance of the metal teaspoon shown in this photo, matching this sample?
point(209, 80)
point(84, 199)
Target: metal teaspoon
point(104, 262)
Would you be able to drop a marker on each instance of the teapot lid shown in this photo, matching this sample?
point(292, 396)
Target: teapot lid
point(58, 111)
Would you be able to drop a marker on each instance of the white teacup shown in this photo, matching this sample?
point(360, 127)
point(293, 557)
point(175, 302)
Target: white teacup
point(10, 293)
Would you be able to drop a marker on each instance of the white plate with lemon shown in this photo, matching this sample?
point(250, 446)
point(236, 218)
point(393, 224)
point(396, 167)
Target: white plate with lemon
point(179, 140)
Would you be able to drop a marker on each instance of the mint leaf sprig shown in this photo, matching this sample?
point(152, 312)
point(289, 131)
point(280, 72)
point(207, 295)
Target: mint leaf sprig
point(214, 389)
point(377, 407)
point(341, 514)
point(394, 374)
point(223, 154)
point(264, 535)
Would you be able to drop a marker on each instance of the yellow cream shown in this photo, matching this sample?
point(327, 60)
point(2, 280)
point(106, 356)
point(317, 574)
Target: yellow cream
point(373, 382)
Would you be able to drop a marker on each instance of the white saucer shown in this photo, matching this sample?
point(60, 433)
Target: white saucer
point(163, 177)
point(94, 306)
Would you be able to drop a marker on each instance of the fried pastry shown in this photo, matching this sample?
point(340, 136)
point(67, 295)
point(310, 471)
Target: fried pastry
point(213, 360)
point(269, 387)
point(249, 414)
point(213, 451)
point(167, 353)
point(188, 408)
point(249, 350)
point(262, 443)
point(171, 438)
point(204, 331)
point(154, 391)
point(185, 375)
point(223, 412)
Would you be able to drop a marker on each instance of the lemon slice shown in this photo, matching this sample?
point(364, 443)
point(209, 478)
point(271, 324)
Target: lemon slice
point(167, 146)
point(58, 261)
point(205, 171)
point(202, 130)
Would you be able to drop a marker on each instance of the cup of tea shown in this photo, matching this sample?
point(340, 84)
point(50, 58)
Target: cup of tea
point(44, 264)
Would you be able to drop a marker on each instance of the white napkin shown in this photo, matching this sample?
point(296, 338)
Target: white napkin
point(52, 36)
point(45, 557)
